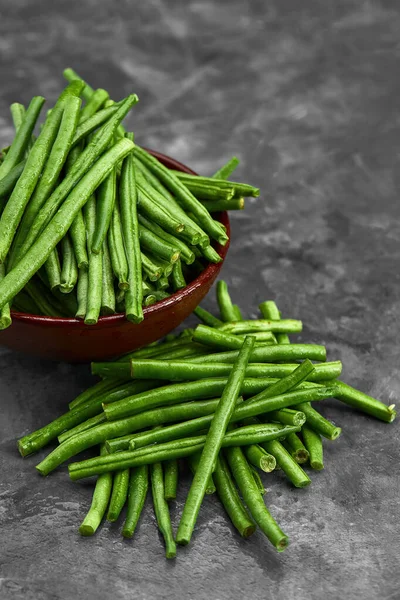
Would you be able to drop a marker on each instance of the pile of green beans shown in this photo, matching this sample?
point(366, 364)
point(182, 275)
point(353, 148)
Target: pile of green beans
point(91, 223)
point(227, 417)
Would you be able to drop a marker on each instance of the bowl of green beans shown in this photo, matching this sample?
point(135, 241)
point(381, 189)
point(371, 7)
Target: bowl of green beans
point(70, 339)
point(105, 246)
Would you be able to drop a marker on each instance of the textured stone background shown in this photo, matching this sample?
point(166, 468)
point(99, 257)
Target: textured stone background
point(307, 95)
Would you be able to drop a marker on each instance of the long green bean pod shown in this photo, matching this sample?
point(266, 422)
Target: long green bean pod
point(254, 501)
point(138, 486)
point(69, 270)
point(130, 227)
point(230, 499)
point(104, 208)
point(100, 500)
point(119, 494)
point(161, 509)
point(226, 170)
point(20, 143)
point(117, 249)
point(213, 443)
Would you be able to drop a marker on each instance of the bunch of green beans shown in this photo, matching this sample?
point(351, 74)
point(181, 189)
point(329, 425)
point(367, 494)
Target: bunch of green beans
point(181, 402)
point(90, 222)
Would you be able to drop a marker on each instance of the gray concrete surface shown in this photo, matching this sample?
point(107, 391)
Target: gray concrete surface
point(307, 95)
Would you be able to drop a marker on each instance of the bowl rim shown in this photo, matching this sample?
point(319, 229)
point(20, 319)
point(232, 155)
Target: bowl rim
point(157, 307)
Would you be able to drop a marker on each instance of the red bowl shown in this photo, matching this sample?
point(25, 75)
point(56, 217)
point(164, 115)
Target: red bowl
point(70, 340)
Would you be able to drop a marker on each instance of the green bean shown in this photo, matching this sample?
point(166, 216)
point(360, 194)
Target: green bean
point(8, 182)
point(173, 449)
point(213, 443)
point(153, 271)
point(85, 129)
point(313, 444)
point(230, 499)
point(95, 272)
point(161, 509)
point(87, 91)
point(171, 473)
point(117, 248)
point(55, 158)
point(226, 170)
point(94, 151)
point(178, 279)
point(183, 195)
point(5, 315)
point(253, 499)
point(222, 205)
point(15, 280)
point(100, 499)
point(211, 254)
point(241, 189)
point(281, 326)
point(364, 403)
point(96, 101)
point(296, 448)
point(107, 292)
point(84, 426)
point(165, 368)
point(257, 456)
point(82, 294)
point(17, 111)
point(224, 302)
point(193, 461)
point(119, 494)
point(289, 466)
point(269, 310)
point(317, 422)
point(20, 143)
point(53, 269)
point(159, 295)
point(162, 283)
point(130, 228)
point(69, 271)
point(105, 205)
point(138, 486)
point(77, 230)
point(187, 255)
point(257, 480)
point(288, 416)
point(117, 370)
point(206, 317)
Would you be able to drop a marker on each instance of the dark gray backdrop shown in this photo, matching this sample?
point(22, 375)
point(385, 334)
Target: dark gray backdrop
point(307, 95)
